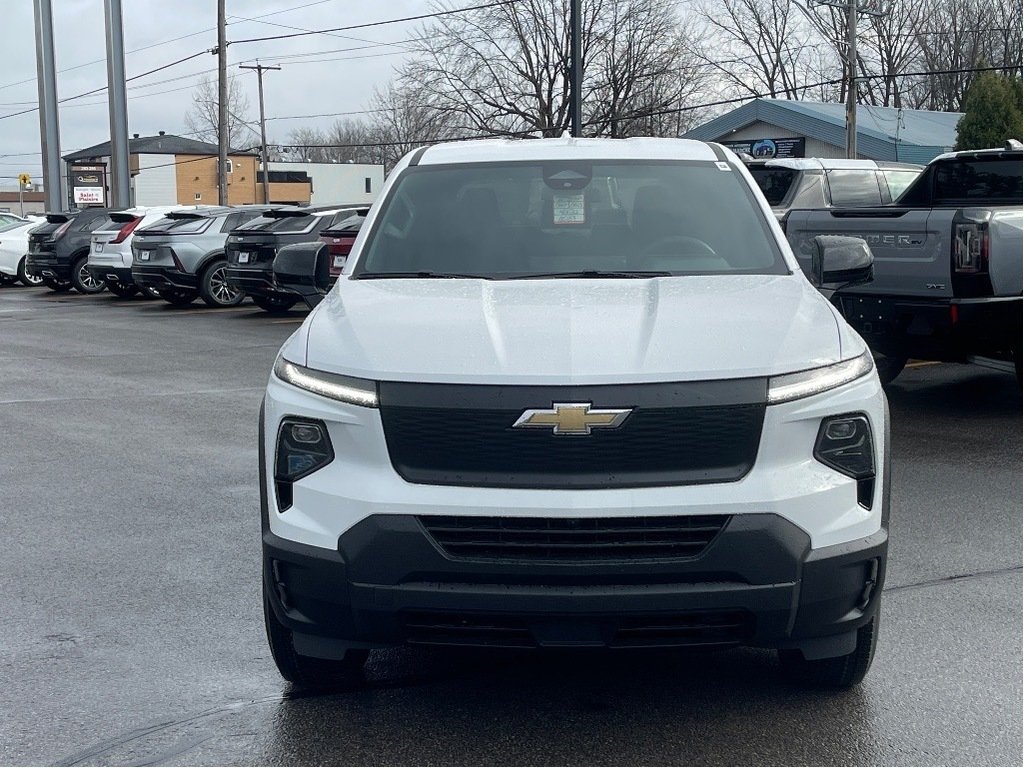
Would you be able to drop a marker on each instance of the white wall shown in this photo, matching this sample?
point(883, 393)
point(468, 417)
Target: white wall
point(156, 183)
point(339, 182)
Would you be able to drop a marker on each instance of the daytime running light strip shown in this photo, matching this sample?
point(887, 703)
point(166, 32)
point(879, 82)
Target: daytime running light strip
point(341, 388)
point(793, 386)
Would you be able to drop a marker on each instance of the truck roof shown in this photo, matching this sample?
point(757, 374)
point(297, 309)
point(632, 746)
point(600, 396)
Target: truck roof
point(565, 148)
point(1010, 149)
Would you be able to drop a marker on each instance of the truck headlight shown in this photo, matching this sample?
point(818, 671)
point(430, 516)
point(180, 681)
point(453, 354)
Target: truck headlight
point(844, 443)
point(793, 386)
point(303, 447)
point(345, 389)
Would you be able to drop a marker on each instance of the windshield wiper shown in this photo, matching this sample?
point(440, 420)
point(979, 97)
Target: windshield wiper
point(420, 274)
point(591, 273)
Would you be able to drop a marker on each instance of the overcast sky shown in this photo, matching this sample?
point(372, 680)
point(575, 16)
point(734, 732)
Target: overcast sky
point(335, 80)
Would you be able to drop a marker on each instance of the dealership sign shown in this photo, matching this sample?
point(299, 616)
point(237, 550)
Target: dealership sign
point(766, 149)
point(88, 185)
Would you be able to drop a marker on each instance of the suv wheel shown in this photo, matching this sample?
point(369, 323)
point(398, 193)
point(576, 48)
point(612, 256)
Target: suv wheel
point(215, 289)
point(60, 286)
point(122, 290)
point(179, 297)
point(306, 671)
point(26, 279)
point(839, 672)
point(274, 304)
point(82, 279)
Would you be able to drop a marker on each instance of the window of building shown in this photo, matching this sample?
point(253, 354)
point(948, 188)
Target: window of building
point(199, 195)
point(369, 184)
point(229, 166)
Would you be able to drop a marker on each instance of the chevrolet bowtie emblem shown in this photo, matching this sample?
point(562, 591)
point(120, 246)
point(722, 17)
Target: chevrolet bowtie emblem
point(572, 418)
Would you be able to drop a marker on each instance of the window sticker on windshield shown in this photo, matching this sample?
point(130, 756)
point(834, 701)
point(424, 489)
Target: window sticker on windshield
point(569, 208)
point(723, 166)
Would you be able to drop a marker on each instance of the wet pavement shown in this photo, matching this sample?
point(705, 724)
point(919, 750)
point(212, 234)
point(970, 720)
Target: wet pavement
point(132, 627)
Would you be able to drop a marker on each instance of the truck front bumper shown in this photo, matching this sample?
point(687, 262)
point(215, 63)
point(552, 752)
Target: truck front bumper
point(950, 329)
point(758, 583)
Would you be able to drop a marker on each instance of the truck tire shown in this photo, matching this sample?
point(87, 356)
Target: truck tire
point(889, 367)
point(274, 304)
point(214, 288)
point(24, 277)
point(839, 672)
point(82, 279)
point(306, 671)
point(179, 297)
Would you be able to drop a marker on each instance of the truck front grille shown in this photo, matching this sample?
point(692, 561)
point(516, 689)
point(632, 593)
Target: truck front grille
point(555, 540)
point(713, 628)
point(675, 434)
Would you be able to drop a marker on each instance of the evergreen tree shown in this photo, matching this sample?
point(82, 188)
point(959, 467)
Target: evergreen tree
point(992, 112)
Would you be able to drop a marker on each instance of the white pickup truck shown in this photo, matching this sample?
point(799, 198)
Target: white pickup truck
point(947, 263)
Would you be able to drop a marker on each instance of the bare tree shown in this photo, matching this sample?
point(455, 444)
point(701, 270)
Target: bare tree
point(403, 119)
point(203, 119)
point(759, 47)
point(504, 70)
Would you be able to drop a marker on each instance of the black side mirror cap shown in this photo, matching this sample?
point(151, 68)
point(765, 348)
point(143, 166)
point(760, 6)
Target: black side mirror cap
point(304, 269)
point(839, 262)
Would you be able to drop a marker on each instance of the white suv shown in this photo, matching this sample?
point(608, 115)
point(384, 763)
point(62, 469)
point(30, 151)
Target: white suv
point(110, 248)
point(575, 392)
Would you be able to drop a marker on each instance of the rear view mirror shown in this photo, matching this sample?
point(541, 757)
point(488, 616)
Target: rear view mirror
point(304, 269)
point(839, 262)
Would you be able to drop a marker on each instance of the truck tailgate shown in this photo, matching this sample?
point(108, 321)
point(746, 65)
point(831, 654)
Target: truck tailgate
point(911, 246)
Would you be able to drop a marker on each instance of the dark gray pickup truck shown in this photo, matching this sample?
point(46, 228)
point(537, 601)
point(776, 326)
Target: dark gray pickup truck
point(947, 269)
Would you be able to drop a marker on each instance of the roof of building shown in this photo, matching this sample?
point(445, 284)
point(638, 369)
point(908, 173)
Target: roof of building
point(922, 134)
point(161, 144)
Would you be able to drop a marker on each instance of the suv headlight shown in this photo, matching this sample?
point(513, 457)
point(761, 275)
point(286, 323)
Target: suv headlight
point(793, 386)
point(345, 389)
point(303, 447)
point(844, 443)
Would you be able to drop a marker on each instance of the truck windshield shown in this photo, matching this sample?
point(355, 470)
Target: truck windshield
point(570, 219)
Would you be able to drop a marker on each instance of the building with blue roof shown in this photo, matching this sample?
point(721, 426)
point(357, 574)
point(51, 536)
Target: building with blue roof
point(782, 128)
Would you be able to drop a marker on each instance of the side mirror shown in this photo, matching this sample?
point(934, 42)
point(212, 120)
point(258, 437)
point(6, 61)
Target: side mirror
point(304, 268)
point(838, 262)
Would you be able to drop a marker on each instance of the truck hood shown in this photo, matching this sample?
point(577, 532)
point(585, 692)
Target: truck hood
point(566, 331)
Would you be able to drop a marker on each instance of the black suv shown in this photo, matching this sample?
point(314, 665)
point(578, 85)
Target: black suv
point(58, 250)
point(251, 249)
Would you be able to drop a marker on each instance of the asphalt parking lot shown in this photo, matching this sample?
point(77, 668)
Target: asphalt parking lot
point(132, 623)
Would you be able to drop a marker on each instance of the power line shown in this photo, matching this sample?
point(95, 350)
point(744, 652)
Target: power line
point(381, 23)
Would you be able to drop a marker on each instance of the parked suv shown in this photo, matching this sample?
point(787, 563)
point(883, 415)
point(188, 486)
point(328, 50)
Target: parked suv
point(251, 249)
point(181, 256)
point(531, 413)
point(58, 250)
point(110, 253)
point(339, 237)
point(823, 183)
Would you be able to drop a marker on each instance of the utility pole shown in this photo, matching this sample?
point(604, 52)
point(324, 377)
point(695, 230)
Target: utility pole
point(576, 68)
point(49, 124)
point(852, 8)
point(117, 105)
point(222, 102)
point(259, 69)
point(851, 83)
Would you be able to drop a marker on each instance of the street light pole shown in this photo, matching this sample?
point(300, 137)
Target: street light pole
point(259, 69)
point(49, 127)
point(576, 68)
point(117, 106)
point(222, 103)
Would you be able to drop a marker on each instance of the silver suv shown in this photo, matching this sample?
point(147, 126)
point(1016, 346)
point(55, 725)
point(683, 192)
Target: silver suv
point(181, 256)
point(813, 182)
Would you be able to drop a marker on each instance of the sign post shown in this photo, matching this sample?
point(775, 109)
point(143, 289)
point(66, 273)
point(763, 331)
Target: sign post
point(23, 181)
